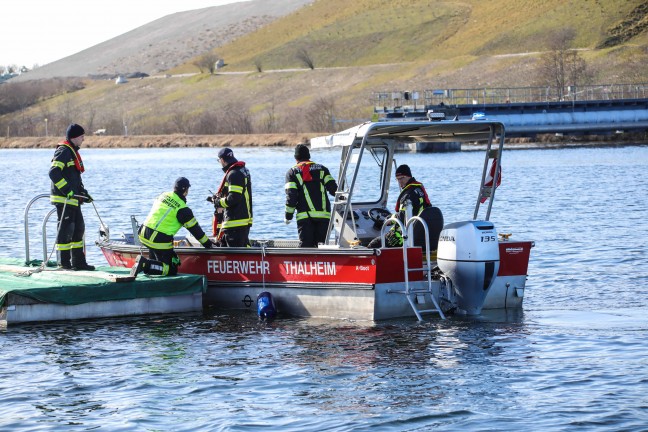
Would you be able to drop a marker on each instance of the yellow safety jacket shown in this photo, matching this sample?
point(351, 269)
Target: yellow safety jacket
point(168, 215)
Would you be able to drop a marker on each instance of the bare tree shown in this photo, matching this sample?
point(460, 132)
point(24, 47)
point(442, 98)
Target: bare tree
point(207, 62)
point(179, 119)
point(205, 124)
point(304, 56)
point(270, 122)
point(321, 115)
point(236, 120)
point(258, 65)
point(562, 66)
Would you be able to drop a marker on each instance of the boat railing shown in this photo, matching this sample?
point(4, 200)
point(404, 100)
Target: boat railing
point(408, 291)
point(491, 172)
point(341, 201)
point(44, 228)
point(135, 227)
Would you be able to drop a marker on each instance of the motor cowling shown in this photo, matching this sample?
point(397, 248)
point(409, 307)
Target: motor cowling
point(468, 255)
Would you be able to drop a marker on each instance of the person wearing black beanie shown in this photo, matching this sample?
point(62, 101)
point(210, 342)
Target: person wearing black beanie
point(412, 198)
point(306, 186)
point(302, 153)
point(74, 131)
point(67, 193)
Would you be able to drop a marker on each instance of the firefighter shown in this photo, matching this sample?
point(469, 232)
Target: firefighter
point(168, 214)
point(67, 194)
point(232, 202)
point(306, 186)
point(412, 194)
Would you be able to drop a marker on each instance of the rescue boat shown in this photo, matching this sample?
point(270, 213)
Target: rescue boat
point(460, 267)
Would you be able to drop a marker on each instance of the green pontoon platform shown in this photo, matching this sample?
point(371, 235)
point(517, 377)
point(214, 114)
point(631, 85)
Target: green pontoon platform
point(32, 294)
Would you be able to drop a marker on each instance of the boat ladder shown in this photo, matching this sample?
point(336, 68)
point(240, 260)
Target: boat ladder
point(408, 292)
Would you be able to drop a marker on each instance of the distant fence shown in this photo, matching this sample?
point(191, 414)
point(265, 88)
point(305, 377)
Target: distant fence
point(419, 99)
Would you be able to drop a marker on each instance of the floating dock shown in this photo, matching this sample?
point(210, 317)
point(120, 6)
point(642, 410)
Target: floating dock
point(37, 294)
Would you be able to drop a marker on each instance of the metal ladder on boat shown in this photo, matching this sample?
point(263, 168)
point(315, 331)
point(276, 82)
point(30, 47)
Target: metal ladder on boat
point(408, 292)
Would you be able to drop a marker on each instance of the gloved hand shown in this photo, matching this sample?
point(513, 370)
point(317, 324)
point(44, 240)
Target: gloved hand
point(287, 221)
point(70, 194)
point(208, 244)
point(87, 198)
point(210, 198)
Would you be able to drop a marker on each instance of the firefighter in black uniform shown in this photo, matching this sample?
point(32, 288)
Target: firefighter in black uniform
point(412, 194)
point(232, 202)
point(306, 186)
point(67, 194)
point(168, 214)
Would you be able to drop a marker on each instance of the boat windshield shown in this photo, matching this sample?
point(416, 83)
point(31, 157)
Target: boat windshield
point(370, 180)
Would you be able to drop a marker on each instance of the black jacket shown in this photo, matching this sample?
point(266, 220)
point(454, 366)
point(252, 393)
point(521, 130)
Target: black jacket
point(308, 196)
point(65, 174)
point(236, 196)
point(415, 193)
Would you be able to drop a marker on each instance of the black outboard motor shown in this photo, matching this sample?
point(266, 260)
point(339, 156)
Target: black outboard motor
point(265, 306)
point(434, 220)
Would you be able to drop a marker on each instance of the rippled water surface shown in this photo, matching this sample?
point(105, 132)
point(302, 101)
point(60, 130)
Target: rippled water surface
point(573, 358)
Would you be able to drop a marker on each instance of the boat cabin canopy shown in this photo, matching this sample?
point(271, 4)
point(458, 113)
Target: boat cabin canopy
point(363, 186)
point(412, 131)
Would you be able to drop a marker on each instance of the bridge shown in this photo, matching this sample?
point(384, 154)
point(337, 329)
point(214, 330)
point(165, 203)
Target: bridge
point(528, 111)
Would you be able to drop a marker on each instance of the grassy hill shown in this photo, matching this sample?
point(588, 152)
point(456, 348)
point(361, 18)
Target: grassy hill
point(364, 32)
point(357, 48)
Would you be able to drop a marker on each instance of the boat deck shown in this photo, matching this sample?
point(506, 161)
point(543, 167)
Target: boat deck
point(31, 294)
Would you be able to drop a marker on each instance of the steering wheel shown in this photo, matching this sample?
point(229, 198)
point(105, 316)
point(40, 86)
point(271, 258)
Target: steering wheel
point(379, 215)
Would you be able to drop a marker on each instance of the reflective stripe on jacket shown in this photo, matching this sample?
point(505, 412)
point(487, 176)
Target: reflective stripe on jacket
point(168, 214)
point(163, 218)
point(236, 198)
point(309, 198)
point(65, 175)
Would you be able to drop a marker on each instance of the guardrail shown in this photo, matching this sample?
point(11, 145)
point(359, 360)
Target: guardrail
point(390, 100)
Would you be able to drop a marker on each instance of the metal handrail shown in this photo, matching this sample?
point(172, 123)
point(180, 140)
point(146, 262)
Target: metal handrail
point(26, 218)
point(503, 95)
point(409, 223)
point(407, 292)
point(44, 228)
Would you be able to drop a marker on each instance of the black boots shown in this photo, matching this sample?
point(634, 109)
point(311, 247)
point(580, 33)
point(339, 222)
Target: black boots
point(140, 263)
point(64, 260)
point(79, 260)
point(148, 266)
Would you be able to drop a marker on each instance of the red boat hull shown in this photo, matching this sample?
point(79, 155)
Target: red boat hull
point(318, 266)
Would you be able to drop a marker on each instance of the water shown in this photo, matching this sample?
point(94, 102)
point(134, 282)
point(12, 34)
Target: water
point(573, 358)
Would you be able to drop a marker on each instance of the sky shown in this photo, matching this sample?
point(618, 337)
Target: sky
point(37, 32)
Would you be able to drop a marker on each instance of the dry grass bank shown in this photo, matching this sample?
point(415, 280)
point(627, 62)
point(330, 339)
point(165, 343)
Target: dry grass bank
point(176, 140)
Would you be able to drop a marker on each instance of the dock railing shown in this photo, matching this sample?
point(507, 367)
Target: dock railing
point(43, 227)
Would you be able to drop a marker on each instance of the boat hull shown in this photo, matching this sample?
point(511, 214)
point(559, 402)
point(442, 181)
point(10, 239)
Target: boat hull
point(357, 284)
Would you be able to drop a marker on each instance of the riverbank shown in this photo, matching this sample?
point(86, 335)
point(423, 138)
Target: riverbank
point(161, 141)
point(292, 139)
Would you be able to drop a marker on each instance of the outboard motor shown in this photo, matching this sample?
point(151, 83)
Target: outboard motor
point(468, 254)
point(265, 306)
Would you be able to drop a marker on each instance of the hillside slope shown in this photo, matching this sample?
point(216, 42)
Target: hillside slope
point(362, 32)
point(358, 48)
point(169, 41)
